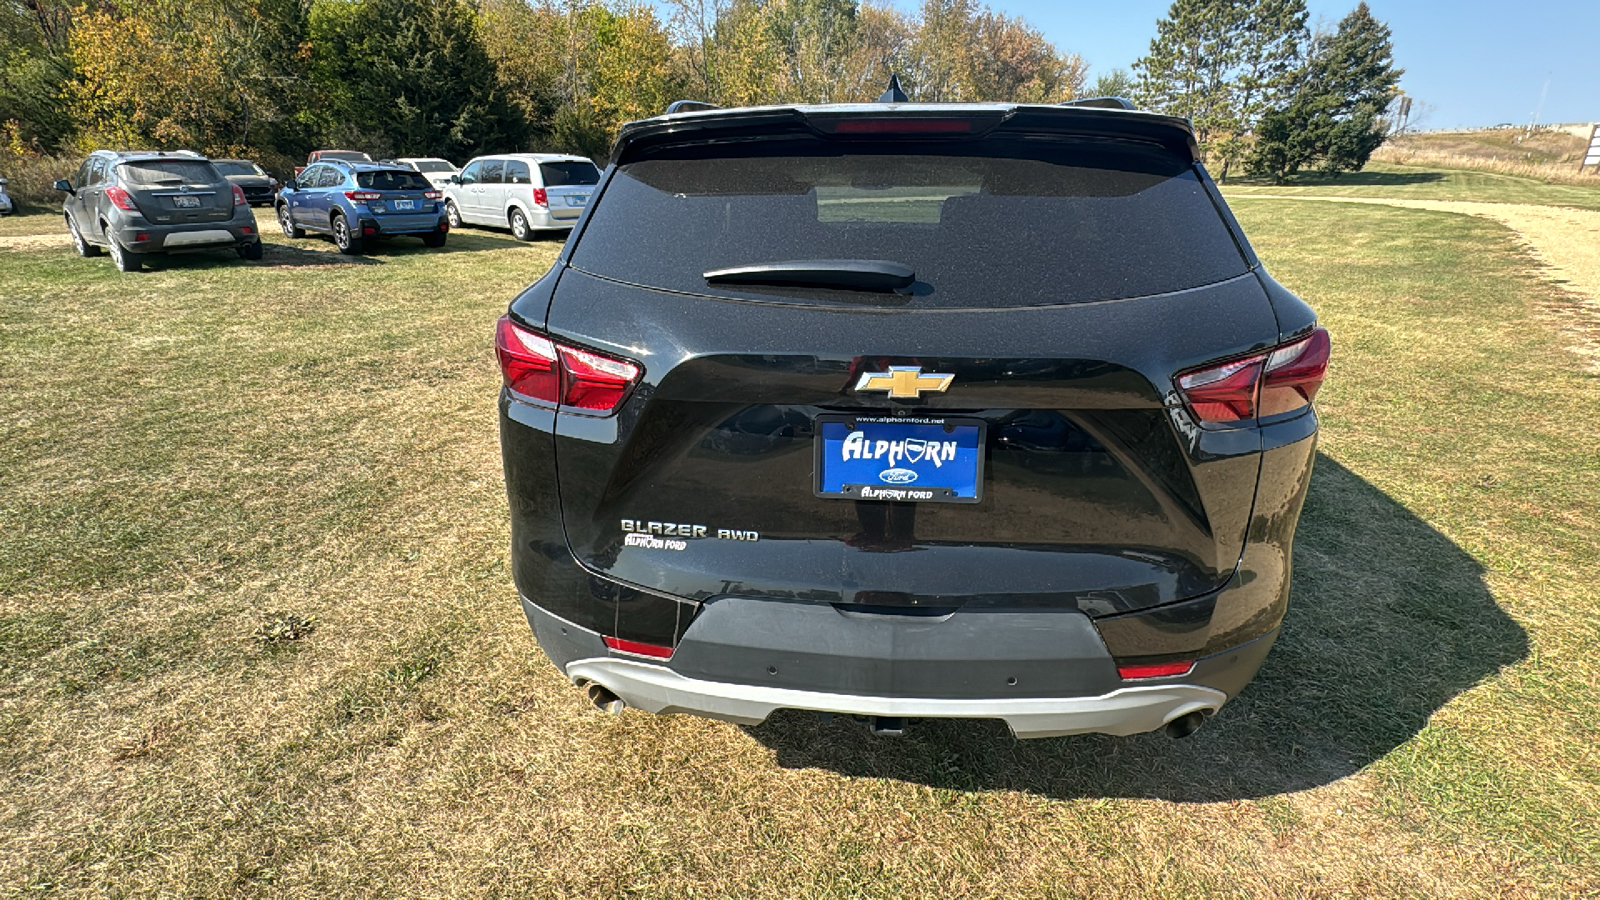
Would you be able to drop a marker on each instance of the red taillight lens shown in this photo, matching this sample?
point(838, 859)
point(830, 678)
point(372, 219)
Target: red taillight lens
point(595, 382)
point(1293, 374)
point(1225, 393)
point(432, 195)
point(238, 196)
point(539, 368)
point(1155, 670)
point(363, 196)
point(639, 648)
point(541, 197)
point(1260, 386)
point(119, 197)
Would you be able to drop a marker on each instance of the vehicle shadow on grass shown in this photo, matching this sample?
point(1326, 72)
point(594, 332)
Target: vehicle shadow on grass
point(1388, 621)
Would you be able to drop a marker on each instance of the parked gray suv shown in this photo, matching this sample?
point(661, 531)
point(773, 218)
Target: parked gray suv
point(136, 203)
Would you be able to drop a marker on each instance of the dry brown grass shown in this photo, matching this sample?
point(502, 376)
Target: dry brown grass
point(191, 451)
point(1549, 156)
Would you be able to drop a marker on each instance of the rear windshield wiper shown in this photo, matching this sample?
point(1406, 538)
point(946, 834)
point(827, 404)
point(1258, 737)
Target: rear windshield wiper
point(843, 274)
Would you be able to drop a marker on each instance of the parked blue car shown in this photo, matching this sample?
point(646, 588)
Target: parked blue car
point(356, 202)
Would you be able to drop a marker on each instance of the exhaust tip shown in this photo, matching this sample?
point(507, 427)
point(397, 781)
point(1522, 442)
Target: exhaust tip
point(1186, 724)
point(603, 699)
point(887, 726)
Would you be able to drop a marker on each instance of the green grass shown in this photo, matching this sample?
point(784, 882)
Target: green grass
point(1388, 180)
point(195, 456)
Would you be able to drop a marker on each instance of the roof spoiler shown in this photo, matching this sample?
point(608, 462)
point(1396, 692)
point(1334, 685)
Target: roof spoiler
point(1102, 103)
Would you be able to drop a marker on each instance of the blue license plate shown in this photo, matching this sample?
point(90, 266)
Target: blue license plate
point(933, 459)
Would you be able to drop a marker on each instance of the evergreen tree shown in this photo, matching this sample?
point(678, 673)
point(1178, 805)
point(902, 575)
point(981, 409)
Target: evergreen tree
point(1115, 83)
point(1334, 119)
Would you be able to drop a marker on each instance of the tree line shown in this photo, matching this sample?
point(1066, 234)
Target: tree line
point(272, 79)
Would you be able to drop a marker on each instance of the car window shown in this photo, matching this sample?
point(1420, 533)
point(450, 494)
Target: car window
point(517, 172)
point(469, 175)
point(393, 180)
point(433, 165)
point(493, 171)
point(238, 168)
point(562, 174)
point(94, 171)
point(346, 155)
point(996, 223)
point(156, 172)
point(330, 177)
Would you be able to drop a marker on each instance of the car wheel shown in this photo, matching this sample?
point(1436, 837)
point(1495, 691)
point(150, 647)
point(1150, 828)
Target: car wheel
point(434, 238)
point(452, 213)
point(286, 222)
point(343, 237)
point(250, 251)
point(519, 226)
point(83, 247)
point(125, 260)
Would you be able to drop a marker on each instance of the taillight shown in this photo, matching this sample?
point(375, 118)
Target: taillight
point(639, 648)
point(541, 197)
point(363, 196)
point(1293, 374)
point(119, 197)
point(1155, 670)
point(540, 369)
point(1261, 386)
point(238, 196)
point(432, 195)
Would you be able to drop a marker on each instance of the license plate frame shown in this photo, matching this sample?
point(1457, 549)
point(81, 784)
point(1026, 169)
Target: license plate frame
point(958, 479)
point(403, 205)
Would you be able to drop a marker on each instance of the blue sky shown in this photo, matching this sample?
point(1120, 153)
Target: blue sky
point(1473, 62)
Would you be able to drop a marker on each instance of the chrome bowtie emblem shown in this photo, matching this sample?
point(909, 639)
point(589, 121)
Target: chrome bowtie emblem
point(904, 382)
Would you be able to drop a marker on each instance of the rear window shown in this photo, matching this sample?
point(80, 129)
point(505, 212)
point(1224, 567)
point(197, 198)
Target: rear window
point(346, 155)
point(238, 168)
point(393, 180)
point(996, 223)
point(562, 174)
point(433, 165)
point(154, 172)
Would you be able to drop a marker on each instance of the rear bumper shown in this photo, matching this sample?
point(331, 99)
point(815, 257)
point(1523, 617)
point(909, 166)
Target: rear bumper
point(1121, 712)
point(425, 223)
point(207, 236)
point(707, 677)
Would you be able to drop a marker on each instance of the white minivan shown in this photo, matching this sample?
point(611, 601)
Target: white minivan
point(526, 192)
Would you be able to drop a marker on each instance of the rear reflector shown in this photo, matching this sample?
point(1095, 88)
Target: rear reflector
point(639, 648)
point(540, 369)
point(1155, 670)
point(903, 126)
point(1284, 380)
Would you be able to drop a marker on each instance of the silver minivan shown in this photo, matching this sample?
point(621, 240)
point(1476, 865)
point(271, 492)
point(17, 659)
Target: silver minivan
point(526, 192)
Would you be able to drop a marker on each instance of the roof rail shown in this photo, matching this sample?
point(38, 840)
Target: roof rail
point(678, 106)
point(1102, 103)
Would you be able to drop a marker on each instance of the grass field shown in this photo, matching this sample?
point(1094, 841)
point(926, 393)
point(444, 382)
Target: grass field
point(258, 636)
point(1389, 180)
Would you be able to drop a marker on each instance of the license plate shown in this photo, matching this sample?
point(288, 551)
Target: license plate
point(186, 202)
point(923, 459)
point(404, 204)
point(577, 199)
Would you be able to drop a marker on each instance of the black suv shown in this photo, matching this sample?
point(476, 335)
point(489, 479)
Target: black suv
point(900, 410)
point(140, 202)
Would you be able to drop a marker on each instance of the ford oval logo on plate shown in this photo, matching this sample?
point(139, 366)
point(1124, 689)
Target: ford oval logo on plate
point(897, 476)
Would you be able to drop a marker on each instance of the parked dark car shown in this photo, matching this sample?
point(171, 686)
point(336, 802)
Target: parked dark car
point(317, 156)
point(359, 202)
point(258, 186)
point(138, 203)
point(903, 411)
